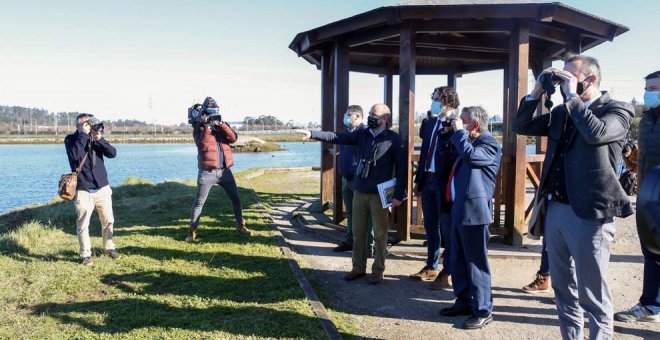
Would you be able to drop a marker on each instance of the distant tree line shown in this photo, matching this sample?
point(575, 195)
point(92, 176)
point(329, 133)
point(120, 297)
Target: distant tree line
point(18, 120)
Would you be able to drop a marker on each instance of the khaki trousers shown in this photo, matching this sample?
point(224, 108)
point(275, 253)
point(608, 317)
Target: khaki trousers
point(364, 206)
point(85, 203)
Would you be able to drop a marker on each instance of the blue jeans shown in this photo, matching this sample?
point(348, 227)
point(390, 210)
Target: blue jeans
point(437, 224)
point(470, 269)
point(651, 289)
point(347, 194)
point(205, 180)
point(579, 253)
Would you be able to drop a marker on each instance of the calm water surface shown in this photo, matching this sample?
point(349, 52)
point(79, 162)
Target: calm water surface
point(29, 173)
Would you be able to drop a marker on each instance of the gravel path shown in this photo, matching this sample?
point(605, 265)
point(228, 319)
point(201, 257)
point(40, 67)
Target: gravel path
point(403, 309)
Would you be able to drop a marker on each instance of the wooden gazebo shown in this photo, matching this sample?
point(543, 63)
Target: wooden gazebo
point(448, 37)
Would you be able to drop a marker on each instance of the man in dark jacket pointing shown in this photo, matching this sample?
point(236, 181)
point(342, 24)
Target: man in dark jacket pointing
point(380, 151)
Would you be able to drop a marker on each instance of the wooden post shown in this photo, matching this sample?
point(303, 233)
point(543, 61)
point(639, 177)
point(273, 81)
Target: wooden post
point(388, 81)
point(500, 181)
point(341, 68)
point(451, 80)
point(407, 70)
point(514, 145)
point(327, 123)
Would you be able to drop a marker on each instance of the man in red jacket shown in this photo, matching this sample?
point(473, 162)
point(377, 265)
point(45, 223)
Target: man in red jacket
point(214, 160)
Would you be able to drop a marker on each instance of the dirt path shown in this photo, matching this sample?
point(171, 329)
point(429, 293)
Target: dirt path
point(403, 309)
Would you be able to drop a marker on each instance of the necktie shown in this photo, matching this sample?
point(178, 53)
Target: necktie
point(451, 178)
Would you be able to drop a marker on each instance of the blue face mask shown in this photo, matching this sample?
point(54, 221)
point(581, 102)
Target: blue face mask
point(652, 99)
point(347, 120)
point(212, 110)
point(436, 107)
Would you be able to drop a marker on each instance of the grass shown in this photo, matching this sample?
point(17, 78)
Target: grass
point(224, 286)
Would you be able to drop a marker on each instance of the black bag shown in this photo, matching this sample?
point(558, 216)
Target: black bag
point(628, 182)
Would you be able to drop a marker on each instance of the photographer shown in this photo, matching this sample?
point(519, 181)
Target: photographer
point(93, 191)
point(436, 158)
point(214, 160)
point(580, 189)
point(380, 151)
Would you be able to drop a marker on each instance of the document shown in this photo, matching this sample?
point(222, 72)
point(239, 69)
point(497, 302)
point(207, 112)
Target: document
point(386, 192)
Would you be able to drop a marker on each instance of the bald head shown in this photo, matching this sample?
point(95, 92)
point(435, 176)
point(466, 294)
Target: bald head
point(380, 109)
point(379, 115)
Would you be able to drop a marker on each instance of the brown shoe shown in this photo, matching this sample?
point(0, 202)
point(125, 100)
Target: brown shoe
point(426, 274)
point(375, 279)
point(541, 284)
point(350, 276)
point(442, 281)
point(192, 234)
point(242, 228)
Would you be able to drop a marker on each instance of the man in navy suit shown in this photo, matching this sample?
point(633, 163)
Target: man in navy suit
point(435, 163)
point(471, 187)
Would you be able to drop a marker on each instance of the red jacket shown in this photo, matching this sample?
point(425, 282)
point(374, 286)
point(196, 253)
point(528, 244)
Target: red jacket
point(207, 142)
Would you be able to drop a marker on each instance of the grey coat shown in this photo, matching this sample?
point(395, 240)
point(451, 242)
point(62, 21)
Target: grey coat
point(590, 161)
point(649, 145)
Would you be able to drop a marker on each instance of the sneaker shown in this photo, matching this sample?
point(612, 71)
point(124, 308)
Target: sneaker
point(637, 313)
point(342, 247)
point(113, 253)
point(426, 274)
point(242, 228)
point(442, 281)
point(192, 234)
point(87, 261)
point(541, 284)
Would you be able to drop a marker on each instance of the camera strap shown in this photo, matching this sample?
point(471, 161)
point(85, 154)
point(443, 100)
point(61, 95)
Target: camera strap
point(82, 162)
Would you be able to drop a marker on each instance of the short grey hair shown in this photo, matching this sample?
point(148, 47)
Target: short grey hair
point(479, 114)
point(589, 65)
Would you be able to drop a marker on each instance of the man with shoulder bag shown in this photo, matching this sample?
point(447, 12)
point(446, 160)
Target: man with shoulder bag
point(86, 149)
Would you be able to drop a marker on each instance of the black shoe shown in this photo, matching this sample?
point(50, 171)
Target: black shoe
point(87, 261)
point(455, 311)
point(113, 253)
point(342, 247)
point(476, 322)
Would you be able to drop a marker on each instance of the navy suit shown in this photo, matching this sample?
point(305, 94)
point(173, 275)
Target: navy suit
point(431, 187)
point(474, 185)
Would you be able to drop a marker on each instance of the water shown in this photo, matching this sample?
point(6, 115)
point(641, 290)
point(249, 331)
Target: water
point(29, 173)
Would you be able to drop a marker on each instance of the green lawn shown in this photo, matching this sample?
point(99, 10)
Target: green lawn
point(226, 285)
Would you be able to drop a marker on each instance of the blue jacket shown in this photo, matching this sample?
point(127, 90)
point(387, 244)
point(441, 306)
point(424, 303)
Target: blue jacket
point(93, 173)
point(348, 157)
point(385, 149)
point(474, 179)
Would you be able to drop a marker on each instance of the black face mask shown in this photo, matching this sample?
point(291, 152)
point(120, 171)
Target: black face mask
point(372, 122)
point(579, 90)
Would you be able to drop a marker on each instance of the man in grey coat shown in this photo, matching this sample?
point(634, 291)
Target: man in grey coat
point(580, 186)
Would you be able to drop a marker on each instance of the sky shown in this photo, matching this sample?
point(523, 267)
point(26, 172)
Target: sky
point(150, 60)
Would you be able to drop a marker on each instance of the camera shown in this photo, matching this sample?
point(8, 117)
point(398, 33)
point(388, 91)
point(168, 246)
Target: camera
point(96, 125)
point(445, 126)
point(363, 168)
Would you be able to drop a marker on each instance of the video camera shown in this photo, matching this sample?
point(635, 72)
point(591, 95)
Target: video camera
point(197, 115)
